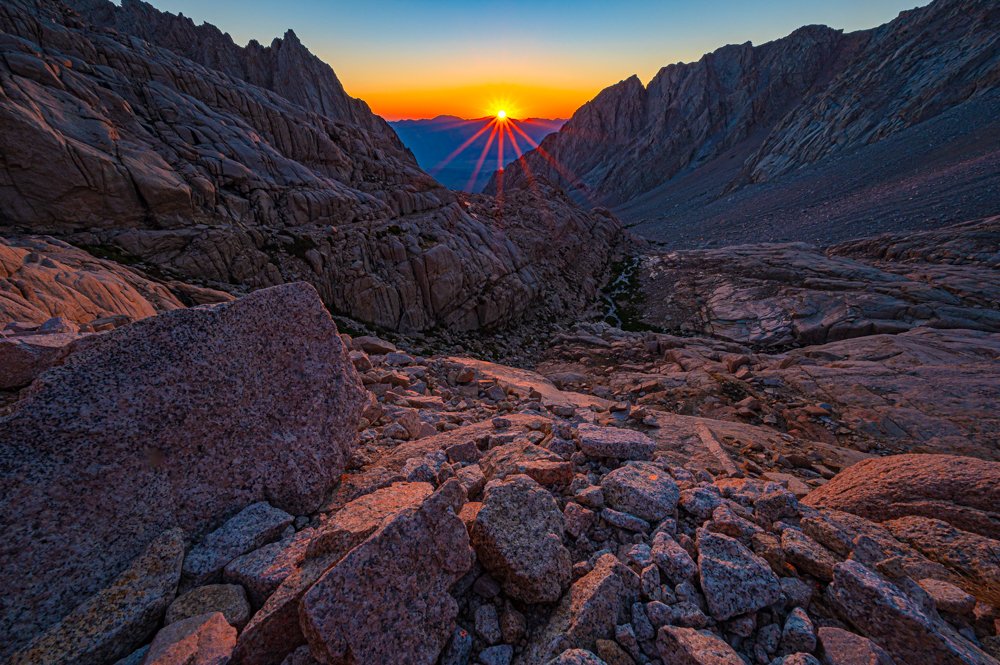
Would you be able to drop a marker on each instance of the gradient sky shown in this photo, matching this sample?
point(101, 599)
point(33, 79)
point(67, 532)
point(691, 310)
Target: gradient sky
point(537, 58)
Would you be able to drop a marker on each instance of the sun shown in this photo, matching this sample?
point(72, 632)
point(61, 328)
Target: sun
point(501, 114)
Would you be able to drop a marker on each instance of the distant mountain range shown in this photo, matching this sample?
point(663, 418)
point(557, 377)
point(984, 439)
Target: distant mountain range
point(434, 140)
point(819, 136)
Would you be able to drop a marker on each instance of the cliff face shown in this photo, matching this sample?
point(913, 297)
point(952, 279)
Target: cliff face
point(776, 107)
point(249, 167)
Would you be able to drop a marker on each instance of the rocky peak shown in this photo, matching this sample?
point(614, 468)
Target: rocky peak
point(765, 111)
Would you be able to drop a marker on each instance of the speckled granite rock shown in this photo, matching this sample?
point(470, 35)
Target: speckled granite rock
point(644, 490)
point(517, 535)
point(734, 579)
point(135, 434)
point(586, 613)
point(229, 599)
point(886, 614)
point(416, 556)
point(116, 620)
point(274, 630)
point(205, 639)
point(615, 442)
point(686, 646)
point(254, 526)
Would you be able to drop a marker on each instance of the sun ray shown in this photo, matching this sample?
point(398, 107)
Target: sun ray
point(570, 177)
point(459, 149)
point(482, 157)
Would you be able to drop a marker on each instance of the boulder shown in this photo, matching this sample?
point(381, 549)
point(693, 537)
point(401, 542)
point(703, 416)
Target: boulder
point(115, 621)
point(963, 491)
point(261, 571)
point(229, 599)
point(518, 535)
point(883, 613)
point(542, 466)
point(255, 525)
point(687, 646)
point(388, 600)
point(842, 647)
point(576, 657)
point(970, 555)
point(615, 443)
point(734, 580)
point(205, 639)
point(25, 357)
point(641, 489)
point(587, 612)
point(274, 630)
point(167, 422)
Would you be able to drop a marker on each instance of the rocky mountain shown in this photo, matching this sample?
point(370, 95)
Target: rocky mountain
point(714, 132)
point(137, 133)
point(434, 140)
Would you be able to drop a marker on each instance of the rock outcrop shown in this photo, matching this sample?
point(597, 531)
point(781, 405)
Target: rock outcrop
point(962, 491)
point(136, 132)
point(164, 423)
point(42, 278)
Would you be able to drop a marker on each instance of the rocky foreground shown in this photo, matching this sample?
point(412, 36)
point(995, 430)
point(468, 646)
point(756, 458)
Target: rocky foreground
point(238, 482)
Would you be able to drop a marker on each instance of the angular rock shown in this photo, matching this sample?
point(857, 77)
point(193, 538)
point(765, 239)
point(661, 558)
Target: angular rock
point(969, 555)
point(206, 639)
point(734, 580)
point(673, 560)
point(576, 657)
point(615, 443)
point(841, 647)
point(587, 612)
point(263, 570)
point(883, 613)
point(948, 598)
point(807, 555)
point(642, 489)
point(187, 440)
point(537, 463)
point(118, 619)
point(229, 599)
point(418, 553)
point(252, 527)
point(501, 654)
point(274, 630)
point(798, 633)
point(24, 358)
point(518, 538)
point(686, 646)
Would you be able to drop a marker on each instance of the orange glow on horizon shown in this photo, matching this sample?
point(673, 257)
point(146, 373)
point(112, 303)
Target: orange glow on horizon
point(476, 101)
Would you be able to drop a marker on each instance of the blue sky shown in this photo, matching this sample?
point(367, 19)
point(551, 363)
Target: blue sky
point(544, 55)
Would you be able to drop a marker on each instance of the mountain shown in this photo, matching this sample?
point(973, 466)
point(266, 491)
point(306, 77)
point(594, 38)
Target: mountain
point(704, 151)
point(434, 140)
point(136, 134)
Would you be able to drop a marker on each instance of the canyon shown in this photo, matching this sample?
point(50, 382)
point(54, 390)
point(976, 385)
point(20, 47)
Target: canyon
point(271, 394)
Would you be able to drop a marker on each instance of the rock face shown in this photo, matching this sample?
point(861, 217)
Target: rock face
point(518, 538)
point(748, 114)
point(101, 472)
point(41, 278)
point(403, 613)
point(165, 142)
point(960, 490)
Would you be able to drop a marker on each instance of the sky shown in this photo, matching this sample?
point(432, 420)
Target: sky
point(534, 58)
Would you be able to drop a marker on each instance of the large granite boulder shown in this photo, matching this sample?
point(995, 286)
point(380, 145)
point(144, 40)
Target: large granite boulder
point(388, 600)
point(518, 538)
point(179, 420)
point(963, 491)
